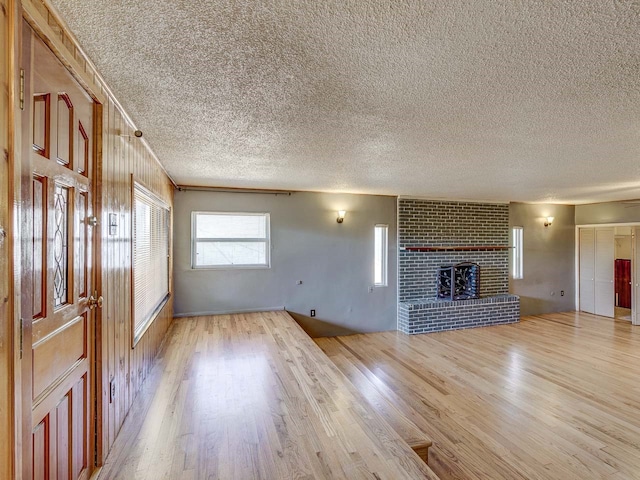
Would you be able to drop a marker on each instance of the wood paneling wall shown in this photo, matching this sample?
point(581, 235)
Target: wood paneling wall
point(6, 379)
point(121, 159)
point(126, 367)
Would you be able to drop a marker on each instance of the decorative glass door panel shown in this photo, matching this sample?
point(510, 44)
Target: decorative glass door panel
point(61, 225)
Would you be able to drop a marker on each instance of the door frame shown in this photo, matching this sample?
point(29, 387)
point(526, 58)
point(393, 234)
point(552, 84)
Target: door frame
point(29, 13)
point(13, 331)
point(634, 277)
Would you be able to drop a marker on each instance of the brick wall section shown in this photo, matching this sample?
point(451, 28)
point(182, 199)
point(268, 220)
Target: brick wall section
point(435, 224)
point(439, 315)
point(427, 223)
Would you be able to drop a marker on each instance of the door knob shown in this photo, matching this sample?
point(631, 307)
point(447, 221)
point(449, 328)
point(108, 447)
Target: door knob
point(95, 302)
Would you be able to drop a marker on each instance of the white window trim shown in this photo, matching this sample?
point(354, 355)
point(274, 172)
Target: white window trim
point(385, 256)
point(266, 240)
point(517, 254)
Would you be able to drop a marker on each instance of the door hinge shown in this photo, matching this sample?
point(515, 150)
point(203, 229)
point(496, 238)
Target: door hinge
point(21, 337)
point(21, 97)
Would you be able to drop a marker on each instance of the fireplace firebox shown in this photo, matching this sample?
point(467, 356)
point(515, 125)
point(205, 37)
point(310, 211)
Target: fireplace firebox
point(459, 282)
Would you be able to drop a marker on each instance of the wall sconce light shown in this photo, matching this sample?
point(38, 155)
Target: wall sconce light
point(548, 221)
point(341, 214)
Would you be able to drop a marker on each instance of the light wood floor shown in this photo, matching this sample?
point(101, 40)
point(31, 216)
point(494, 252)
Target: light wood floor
point(623, 313)
point(552, 397)
point(238, 397)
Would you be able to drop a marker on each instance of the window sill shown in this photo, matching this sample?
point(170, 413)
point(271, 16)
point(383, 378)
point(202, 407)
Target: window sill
point(233, 267)
point(152, 318)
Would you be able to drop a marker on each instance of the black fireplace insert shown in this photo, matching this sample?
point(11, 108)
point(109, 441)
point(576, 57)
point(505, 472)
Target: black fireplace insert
point(459, 282)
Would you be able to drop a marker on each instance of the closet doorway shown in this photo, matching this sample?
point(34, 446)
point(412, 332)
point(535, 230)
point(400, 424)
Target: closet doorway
point(608, 261)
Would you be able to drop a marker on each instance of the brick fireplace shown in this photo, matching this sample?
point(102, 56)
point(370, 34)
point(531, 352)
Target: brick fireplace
point(434, 235)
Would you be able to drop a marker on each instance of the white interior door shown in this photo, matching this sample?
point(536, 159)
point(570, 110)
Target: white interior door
point(587, 270)
point(604, 271)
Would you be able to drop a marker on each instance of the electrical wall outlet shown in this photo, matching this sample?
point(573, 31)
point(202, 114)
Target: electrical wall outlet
point(313, 312)
point(562, 293)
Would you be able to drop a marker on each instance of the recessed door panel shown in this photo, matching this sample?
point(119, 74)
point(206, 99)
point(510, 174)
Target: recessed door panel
point(57, 352)
point(82, 146)
point(64, 130)
point(63, 436)
point(42, 123)
point(39, 246)
point(41, 445)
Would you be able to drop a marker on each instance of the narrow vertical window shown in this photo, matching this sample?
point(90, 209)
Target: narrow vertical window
point(380, 256)
point(516, 253)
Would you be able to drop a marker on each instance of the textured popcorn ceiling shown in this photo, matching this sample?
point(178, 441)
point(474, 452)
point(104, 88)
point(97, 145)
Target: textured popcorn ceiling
point(481, 99)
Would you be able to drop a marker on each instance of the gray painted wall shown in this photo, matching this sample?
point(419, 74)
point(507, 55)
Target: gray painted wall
point(334, 261)
point(549, 258)
point(612, 212)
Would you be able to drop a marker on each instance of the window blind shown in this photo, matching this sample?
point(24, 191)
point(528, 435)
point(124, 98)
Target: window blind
point(150, 258)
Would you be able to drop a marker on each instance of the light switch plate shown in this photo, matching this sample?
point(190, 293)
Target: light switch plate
point(113, 224)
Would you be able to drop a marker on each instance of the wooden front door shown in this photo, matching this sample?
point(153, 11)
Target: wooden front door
point(58, 123)
point(623, 283)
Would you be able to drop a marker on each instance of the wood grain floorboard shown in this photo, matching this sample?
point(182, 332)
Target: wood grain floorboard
point(251, 396)
point(552, 397)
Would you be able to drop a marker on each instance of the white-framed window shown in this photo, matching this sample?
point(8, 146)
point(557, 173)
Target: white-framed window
point(151, 236)
point(381, 243)
point(516, 253)
point(230, 240)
